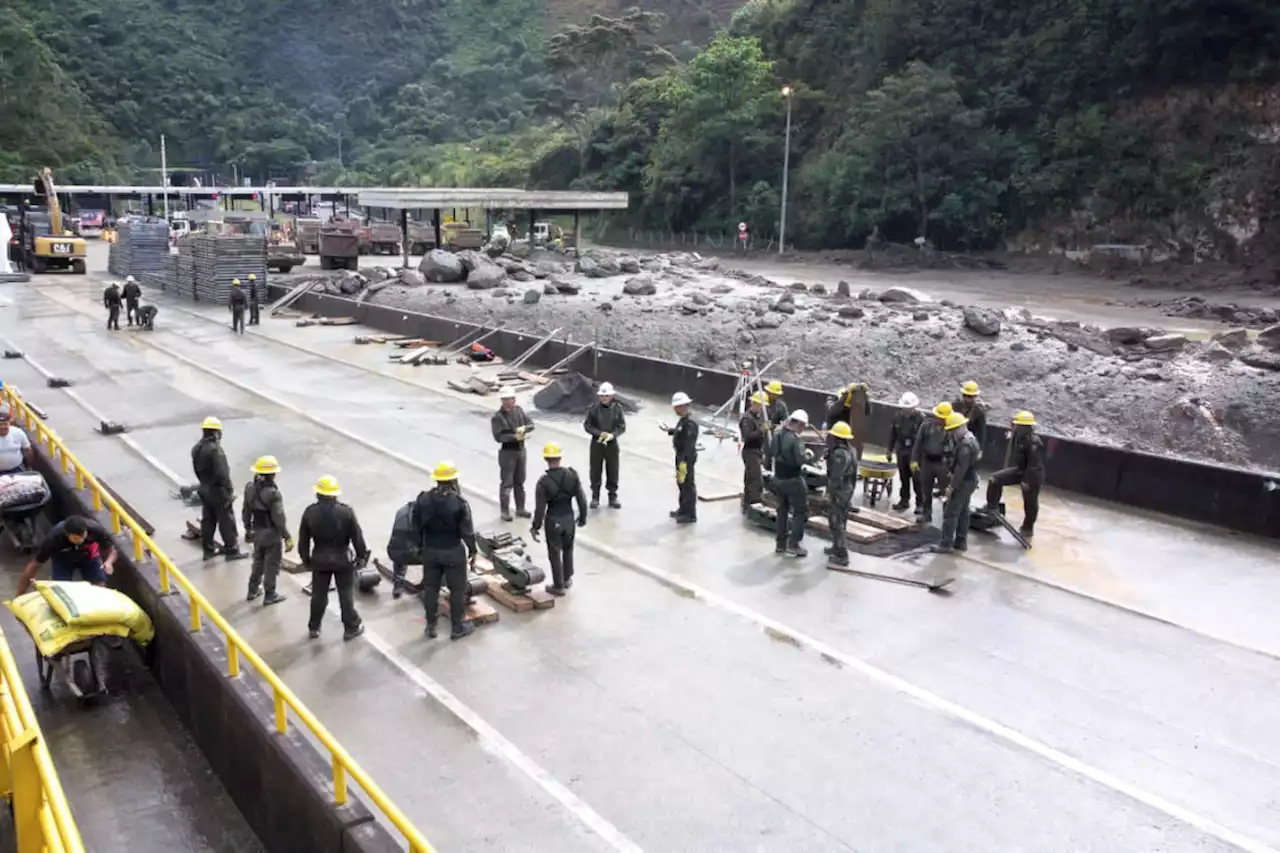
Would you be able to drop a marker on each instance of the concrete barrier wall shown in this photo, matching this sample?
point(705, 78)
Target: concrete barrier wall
point(280, 783)
point(1229, 497)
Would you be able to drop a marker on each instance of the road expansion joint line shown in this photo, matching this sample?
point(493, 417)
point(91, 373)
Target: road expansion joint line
point(772, 626)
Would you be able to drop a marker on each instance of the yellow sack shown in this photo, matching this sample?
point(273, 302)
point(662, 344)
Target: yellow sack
point(50, 633)
point(83, 605)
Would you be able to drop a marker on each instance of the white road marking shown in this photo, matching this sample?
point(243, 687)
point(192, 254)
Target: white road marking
point(805, 641)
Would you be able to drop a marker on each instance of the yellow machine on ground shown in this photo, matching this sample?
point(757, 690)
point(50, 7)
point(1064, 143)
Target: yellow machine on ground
point(46, 242)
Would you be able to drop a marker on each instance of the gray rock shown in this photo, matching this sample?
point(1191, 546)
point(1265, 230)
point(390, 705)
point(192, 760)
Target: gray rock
point(628, 264)
point(522, 276)
point(1232, 338)
point(1016, 314)
point(549, 289)
point(721, 289)
point(820, 316)
point(1018, 346)
point(520, 248)
point(798, 287)
point(500, 291)
point(532, 297)
point(1125, 335)
point(1263, 358)
point(984, 321)
point(546, 269)
point(411, 278)
point(708, 264)
point(497, 245)
point(699, 298)
point(947, 303)
point(904, 294)
point(485, 276)
point(441, 266)
point(471, 259)
point(564, 285)
point(842, 288)
point(840, 321)
point(1269, 338)
point(1162, 343)
point(768, 321)
point(785, 307)
point(689, 308)
point(1217, 352)
point(819, 289)
point(868, 294)
point(851, 312)
point(920, 315)
point(640, 285)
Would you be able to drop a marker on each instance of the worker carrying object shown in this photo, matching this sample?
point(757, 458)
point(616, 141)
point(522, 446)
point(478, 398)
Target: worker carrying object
point(333, 527)
point(510, 428)
point(928, 459)
point(776, 413)
point(447, 539)
point(789, 458)
point(111, 301)
point(147, 317)
point(1027, 469)
point(963, 481)
point(605, 423)
point(902, 441)
point(842, 476)
point(480, 352)
point(851, 404)
point(266, 529)
point(753, 429)
point(254, 295)
point(217, 492)
point(132, 293)
point(237, 302)
point(975, 410)
point(77, 546)
point(684, 441)
point(554, 497)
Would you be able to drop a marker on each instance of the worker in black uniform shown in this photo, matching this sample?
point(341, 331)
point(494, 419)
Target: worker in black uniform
point(217, 493)
point(447, 537)
point(237, 303)
point(777, 413)
point(1026, 468)
point(963, 480)
point(510, 427)
point(333, 527)
point(553, 513)
point(975, 410)
point(147, 317)
point(902, 441)
point(842, 476)
point(928, 461)
point(789, 458)
point(684, 440)
point(753, 429)
point(266, 528)
point(851, 404)
point(132, 293)
point(253, 299)
point(111, 301)
point(605, 423)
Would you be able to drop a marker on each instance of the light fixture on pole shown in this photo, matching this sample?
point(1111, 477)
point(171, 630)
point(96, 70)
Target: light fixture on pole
point(787, 91)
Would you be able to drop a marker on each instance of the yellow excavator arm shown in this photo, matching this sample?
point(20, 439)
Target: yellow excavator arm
point(44, 187)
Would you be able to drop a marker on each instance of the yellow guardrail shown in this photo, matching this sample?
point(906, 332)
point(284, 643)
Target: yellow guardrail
point(344, 766)
point(41, 817)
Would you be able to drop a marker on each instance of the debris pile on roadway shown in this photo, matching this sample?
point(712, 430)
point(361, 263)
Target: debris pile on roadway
point(572, 394)
point(141, 248)
point(217, 259)
point(1201, 308)
point(1130, 387)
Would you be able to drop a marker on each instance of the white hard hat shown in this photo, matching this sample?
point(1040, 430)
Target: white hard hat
point(800, 415)
point(909, 401)
point(130, 279)
point(680, 399)
point(506, 392)
point(606, 390)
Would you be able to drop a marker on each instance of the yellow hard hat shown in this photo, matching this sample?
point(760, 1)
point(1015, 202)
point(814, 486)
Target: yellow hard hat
point(774, 387)
point(842, 430)
point(759, 397)
point(1024, 419)
point(211, 423)
point(445, 472)
point(235, 282)
point(970, 389)
point(955, 419)
point(551, 451)
point(328, 486)
point(252, 277)
point(942, 410)
point(266, 465)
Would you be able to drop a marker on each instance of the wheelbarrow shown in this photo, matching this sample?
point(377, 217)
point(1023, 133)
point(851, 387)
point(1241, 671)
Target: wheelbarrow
point(876, 473)
point(18, 522)
point(77, 664)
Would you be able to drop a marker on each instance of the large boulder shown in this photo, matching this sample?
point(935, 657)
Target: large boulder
point(628, 264)
point(565, 285)
point(598, 266)
point(984, 321)
point(851, 312)
point(1260, 357)
point(440, 267)
point(485, 276)
point(531, 296)
point(904, 294)
point(1270, 338)
point(1161, 343)
point(1232, 338)
point(352, 282)
point(544, 268)
point(498, 244)
point(411, 278)
point(1125, 335)
point(640, 285)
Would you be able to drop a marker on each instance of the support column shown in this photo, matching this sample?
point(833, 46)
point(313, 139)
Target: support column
point(404, 235)
point(488, 228)
point(435, 222)
point(577, 234)
point(533, 215)
point(151, 205)
point(347, 200)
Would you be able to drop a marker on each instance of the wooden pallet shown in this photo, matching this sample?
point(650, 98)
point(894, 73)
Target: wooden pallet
point(882, 520)
point(479, 612)
point(859, 533)
point(534, 599)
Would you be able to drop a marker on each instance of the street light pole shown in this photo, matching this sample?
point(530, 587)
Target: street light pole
point(786, 168)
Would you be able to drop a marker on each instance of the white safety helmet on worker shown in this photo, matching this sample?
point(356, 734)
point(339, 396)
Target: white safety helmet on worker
point(800, 416)
point(606, 390)
point(680, 399)
point(909, 401)
point(506, 392)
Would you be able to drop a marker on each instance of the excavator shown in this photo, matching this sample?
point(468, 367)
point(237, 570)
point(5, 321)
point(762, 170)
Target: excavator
point(46, 242)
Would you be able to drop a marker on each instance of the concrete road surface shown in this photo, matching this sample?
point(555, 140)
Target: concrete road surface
point(1113, 690)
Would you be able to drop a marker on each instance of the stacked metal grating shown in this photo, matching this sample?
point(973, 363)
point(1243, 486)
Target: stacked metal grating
point(220, 258)
point(141, 248)
point(183, 282)
point(161, 281)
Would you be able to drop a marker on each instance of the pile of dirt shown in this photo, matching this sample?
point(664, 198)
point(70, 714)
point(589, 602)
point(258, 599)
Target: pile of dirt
point(573, 394)
point(1131, 387)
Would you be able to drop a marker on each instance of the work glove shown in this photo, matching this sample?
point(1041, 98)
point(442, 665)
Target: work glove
point(582, 521)
point(915, 466)
point(520, 431)
point(533, 532)
point(288, 544)
point(606, 437)
point(682, 472)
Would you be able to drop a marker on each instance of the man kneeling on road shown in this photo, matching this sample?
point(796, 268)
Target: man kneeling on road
point(15, 448)
point(75, 546)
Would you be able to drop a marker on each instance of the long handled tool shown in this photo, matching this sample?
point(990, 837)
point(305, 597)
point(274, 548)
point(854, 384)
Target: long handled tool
point(931, 586)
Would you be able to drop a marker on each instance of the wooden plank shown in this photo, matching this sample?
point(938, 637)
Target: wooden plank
point(713, 497)
point(882, 520)
point(479, 612)
point(855, 531)
point(535, 599)
point(534, 378)
point(338, 321)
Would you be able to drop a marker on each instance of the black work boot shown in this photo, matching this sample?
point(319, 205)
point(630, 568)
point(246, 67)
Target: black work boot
point(313, 633)
point(829, 550)
point(595, 500)
point(780, 546)
point(233, 552)
point(839, 559)
point(523, 513)
point(797, 550)
point(466, 629)
point(273, 597)
point(1026, 532)
point(209, 555)
point(432, 633)
point(254, 592)
point(941, 548)
point(553, 589)
point(961, 545)
point(902, 505)
point(614, 503)
point(352, 633)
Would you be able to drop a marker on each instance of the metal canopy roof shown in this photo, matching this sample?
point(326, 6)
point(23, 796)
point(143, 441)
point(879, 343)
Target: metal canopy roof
point(409, 199)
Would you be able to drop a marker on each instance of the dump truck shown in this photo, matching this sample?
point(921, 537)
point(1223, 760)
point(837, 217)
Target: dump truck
point(422, 237)
point(309, 235)
point(339, 247)
point(460, 235)
point(384, 238)
point(284, 250)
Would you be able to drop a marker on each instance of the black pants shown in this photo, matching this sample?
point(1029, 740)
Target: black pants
point(1030, 493)
point(268, 551)
point(131, 310)
point(793, 511)
point(931, 475)
point(559, 531)
point(604, 456)
point(955, 514)
point(345, 581)
point(237, 320)
point(688, 492)
point(907, 479)
point(253, 314)
point(837, 519)
point(223, 520)
point(511, 468)
point(752, 477)
point(450, 567)
point(113, 317)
